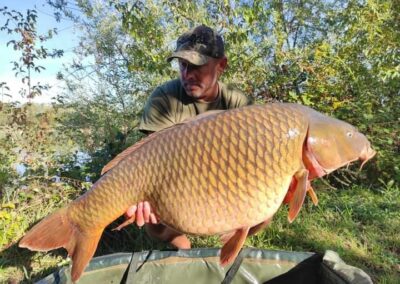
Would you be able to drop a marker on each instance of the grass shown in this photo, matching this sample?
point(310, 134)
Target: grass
point(361, 224)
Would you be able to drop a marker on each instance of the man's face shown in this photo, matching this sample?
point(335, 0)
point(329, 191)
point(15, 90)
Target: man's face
point(200, 82)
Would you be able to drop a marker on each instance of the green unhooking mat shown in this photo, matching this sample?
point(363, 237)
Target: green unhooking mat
point(202, 266)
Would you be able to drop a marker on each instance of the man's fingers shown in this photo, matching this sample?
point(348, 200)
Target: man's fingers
point(153, 219)
point(139, 215)
point(143, 214)
point(146, 211)
point(131, 211)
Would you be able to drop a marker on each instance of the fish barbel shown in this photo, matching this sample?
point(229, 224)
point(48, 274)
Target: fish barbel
point(220, 173)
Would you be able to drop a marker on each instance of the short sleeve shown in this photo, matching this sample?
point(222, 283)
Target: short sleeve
point(241, 99)
point(234, 98)
point(156, 114)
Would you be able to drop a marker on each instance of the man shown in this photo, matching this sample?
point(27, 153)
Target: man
point(201, 58)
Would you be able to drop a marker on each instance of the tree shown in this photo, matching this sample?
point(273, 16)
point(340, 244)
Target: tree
point(330, 55)
point(30, 46)
point(26, 131)
point(103, 96)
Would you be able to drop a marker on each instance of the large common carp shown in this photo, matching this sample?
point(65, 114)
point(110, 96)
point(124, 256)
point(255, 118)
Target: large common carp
point(220, 173)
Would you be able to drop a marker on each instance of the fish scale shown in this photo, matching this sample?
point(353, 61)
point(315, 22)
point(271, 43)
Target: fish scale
point(190, 152)
point(222, 172)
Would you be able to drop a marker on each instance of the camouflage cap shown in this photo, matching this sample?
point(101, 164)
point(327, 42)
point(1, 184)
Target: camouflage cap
point(198, 45)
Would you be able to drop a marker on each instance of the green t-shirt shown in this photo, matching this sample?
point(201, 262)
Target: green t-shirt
point(169, 104)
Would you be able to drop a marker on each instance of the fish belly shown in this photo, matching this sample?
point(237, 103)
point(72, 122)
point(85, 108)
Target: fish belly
point(222, 172)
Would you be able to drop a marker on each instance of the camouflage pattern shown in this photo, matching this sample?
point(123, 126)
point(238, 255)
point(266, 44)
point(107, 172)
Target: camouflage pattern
point(198, 45)
point(192, 56)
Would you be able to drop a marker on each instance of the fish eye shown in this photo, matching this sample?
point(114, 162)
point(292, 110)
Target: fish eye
point(349, 134)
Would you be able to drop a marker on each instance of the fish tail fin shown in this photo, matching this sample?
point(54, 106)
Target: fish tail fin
point(83, 250)
point(57, 230)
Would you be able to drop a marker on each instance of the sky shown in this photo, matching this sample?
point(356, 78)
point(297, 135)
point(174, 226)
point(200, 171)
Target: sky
point(66, 39)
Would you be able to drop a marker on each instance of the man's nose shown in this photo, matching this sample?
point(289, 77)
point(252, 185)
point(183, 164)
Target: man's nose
point(186, 72)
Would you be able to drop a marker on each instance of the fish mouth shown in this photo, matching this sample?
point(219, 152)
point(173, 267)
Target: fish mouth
point(318, 170)
point(366, 155)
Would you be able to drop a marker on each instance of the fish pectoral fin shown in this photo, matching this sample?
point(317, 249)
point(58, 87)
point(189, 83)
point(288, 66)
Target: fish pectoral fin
point(312, 194)
point(226, 237)
point(232, 247)
point(299, 193)
point(289, 194)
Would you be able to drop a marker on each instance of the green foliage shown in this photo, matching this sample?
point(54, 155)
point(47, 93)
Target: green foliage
point(370, 50)
point(103, 100)
point(26, 131)
point(30, 139)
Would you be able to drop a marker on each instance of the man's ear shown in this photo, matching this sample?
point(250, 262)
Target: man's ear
point(222, 64)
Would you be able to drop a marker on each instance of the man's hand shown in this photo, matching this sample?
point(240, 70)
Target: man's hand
point(141, 213)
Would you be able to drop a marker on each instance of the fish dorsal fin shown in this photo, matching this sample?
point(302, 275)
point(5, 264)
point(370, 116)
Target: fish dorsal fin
point(203, 115)
point(111, 164)
point(121, 156)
